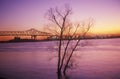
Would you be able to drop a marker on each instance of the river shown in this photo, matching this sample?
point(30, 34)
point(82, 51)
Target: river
point(100, 59)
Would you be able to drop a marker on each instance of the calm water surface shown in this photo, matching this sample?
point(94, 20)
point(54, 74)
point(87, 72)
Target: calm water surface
point(100, 59)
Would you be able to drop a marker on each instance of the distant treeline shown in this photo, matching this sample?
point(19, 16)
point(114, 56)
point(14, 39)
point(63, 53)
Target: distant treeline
point(15, 40)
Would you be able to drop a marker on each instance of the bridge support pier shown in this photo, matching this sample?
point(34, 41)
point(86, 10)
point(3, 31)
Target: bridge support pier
point(33, 37)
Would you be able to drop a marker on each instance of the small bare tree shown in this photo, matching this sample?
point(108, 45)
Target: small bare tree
point(68, 35)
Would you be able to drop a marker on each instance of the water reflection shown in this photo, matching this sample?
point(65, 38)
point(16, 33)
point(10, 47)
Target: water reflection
point(101, 60)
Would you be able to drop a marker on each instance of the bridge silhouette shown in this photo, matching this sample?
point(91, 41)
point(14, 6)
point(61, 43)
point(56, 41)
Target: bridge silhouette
point(31, 32)
point(34, 33)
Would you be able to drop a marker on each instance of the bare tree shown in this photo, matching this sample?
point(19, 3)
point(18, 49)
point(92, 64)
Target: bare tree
point(69, 35)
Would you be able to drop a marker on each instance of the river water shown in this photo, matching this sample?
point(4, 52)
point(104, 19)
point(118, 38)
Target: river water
point(100, 59)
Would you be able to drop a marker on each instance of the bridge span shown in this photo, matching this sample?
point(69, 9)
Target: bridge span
point(31, 32)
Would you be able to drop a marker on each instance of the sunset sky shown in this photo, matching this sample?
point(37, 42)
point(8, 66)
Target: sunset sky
point(26, 14)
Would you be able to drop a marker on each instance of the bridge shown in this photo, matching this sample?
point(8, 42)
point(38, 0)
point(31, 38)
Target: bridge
point(31, 32)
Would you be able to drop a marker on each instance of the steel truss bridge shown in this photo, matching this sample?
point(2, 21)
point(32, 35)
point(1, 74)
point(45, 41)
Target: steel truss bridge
point(31, 32)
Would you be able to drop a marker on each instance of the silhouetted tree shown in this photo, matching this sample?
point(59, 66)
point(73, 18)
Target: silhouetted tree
point(65, 31)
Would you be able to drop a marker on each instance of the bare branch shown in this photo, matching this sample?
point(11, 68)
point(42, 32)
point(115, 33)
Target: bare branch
point(59, 13)
point(52, 17)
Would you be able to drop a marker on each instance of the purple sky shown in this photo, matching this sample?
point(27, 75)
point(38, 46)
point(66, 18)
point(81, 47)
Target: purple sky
point(26, 14)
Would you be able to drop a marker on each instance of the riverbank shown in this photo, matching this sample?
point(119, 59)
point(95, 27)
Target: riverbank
point(44, 40)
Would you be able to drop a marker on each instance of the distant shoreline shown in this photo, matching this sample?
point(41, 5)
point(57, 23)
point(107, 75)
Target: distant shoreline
point(31, 40)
